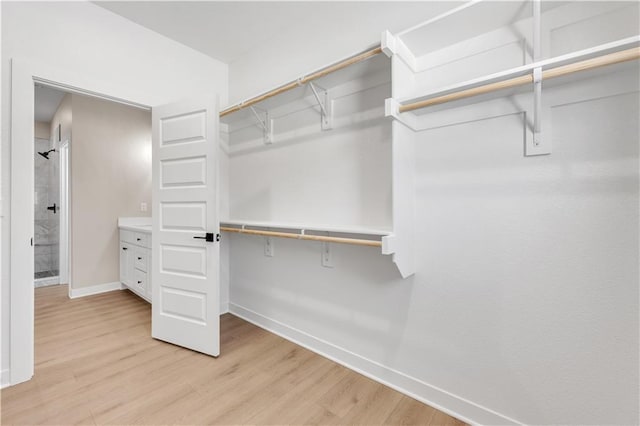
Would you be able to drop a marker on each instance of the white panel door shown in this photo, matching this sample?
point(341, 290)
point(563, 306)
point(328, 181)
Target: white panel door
point(185, 266)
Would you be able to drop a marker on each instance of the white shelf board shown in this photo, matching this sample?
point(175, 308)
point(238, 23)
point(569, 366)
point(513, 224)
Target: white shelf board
point(359, 70)
point(581, 55)
point(465, 22)
point(308, 227)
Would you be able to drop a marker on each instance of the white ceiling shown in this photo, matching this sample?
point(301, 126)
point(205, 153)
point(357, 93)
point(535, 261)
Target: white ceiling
point(226, 30)
point(222, 30)
point(46, 103)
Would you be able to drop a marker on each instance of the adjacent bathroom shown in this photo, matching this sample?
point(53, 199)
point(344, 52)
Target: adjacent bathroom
point(47, 199)
point(46, 235)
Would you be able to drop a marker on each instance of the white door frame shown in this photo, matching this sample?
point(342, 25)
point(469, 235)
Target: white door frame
point(24, 74)
point(65, 216)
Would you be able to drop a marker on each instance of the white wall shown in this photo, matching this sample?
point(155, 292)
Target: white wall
point(88, 41)
point(524, 304)
point(301, 179)
point(110, 177)
point(63, 118)
point(311, 44)
point(42, 130)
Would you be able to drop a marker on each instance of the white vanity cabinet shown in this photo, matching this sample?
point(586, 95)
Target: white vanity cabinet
point(135, 260)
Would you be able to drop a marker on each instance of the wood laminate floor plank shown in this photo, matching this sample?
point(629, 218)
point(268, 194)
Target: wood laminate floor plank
point(96, 363)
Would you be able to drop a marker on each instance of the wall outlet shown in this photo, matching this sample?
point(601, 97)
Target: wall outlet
point(268, 247)
point(143, 207)
point(327, 258)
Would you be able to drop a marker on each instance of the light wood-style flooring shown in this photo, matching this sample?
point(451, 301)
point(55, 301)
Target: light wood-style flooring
point(97, 364)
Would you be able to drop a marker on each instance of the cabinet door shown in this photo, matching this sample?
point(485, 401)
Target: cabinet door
point(126, 264)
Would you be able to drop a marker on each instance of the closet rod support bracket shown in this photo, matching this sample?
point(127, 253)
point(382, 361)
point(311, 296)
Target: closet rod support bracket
point(537, 105)
point(388, 244)
point(537, 142)
point(326, 106)
point(266, 125)
point(392, 111)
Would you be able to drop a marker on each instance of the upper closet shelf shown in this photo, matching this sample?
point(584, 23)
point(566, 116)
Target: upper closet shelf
point(498, 53)
point(461, 23)
point(319, 101)
point(485, 50)
point(585, 60)
point(316, 82)
point(456, 27)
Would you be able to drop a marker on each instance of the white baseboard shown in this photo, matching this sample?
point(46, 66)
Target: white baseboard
point(95, 289)
point(224, 308)
point(4, 378)
point(44, 282)
point(433, 396)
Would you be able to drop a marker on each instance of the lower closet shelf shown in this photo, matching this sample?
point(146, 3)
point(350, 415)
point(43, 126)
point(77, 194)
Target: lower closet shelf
point(352, 235)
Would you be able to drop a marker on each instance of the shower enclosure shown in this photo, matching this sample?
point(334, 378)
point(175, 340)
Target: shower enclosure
point(47, 202)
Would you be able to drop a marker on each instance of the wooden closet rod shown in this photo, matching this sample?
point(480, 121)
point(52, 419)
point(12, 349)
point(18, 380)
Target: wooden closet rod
point(355, 241)
point(292, 85)
point(600, 61)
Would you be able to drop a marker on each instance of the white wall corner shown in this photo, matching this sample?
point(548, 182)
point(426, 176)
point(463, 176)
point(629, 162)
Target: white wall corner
point(222, 141)
point(224, 147)
point(4, 378)
point(95, 289)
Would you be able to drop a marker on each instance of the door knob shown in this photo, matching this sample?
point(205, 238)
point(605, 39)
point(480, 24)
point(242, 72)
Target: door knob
point(208, 237)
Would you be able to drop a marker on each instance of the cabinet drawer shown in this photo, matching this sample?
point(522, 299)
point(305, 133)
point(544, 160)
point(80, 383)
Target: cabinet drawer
point(140, 282)
point(140, 239)
point(141, 259)
point(126, 236)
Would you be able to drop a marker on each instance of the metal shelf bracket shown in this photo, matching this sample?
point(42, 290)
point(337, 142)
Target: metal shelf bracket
point(537, 105)
point(266, 125)
point(326, 106)
point(537, 143)
point(537, 74)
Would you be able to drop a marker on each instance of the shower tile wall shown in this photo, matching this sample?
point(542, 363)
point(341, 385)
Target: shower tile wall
point(47, 192)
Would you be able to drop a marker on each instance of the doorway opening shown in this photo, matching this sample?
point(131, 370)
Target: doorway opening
point(83, 233)
point(50, 234)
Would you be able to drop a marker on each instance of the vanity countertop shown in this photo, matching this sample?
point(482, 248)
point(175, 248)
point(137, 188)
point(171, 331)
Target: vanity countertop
point(137, 228)
point(136, 224)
